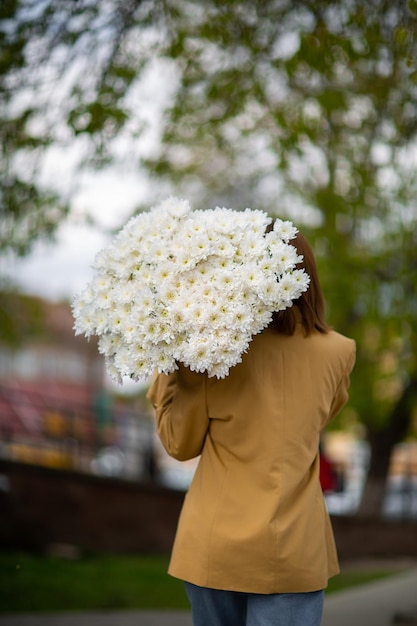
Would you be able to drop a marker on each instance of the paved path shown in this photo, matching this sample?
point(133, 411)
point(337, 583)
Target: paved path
point(374, 604)
point(107, 618)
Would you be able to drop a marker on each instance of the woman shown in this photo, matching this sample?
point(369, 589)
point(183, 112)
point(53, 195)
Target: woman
point(254, 543)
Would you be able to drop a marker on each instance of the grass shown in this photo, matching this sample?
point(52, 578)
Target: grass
point(32, 583)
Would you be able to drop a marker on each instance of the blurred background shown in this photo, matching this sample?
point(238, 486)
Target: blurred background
point(307, 110)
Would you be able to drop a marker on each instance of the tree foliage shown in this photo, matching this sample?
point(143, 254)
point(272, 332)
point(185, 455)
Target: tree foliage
point(65, 68)
point(307, 109)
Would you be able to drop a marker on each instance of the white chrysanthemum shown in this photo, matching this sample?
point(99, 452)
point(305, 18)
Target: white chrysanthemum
point(177, 285)
point(106, 343)
point(85, 319)
point(104, 298)
point(168, 293)
point(270, 291)
point(101, 260)
point(261, 318)
point(252, 275)
point(257, 220)
point(123, 361)
point(126, 292)
point(158, 251)
point(175, 207)
point(252, 245)
point(224, 248)
point(151, 329)
point(165, 361)
point(284, 258)
point(287, 291)
point(214, 317)
point(300, 278)
point(196, 315)
point(242, 317)
point(220, 370)
point(285, 230)
point(197, 353)
point(143, 303)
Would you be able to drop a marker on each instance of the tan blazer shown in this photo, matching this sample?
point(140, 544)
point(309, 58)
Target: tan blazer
point(254, 518)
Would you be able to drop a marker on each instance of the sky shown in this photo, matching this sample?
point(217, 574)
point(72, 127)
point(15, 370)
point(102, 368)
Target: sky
point(58, 270)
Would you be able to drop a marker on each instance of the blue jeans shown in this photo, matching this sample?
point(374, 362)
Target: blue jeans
point(213, 607)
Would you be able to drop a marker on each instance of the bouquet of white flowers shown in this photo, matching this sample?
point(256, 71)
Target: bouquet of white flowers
point(186, 286)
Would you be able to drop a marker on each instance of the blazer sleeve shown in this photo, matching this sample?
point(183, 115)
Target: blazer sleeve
point(181, 413)
point(341, 396)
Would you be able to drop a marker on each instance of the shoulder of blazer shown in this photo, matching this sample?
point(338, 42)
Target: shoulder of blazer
point(345, 343)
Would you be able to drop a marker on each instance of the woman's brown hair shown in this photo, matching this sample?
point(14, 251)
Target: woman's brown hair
point(310, 304)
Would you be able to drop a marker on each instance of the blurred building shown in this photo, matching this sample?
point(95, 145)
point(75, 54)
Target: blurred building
point(55, 408)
